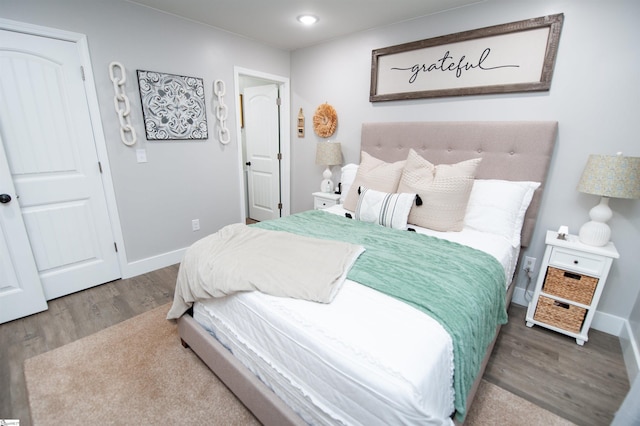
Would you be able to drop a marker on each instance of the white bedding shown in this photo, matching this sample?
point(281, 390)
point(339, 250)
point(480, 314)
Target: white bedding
point(364, 359)
point(492, 244)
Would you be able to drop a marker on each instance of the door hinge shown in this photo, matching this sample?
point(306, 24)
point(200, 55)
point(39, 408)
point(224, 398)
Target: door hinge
point(279, 206)
point(82, 73)
point(279, 156)
point(278, 101)
point(115, 246)
point(100, 166)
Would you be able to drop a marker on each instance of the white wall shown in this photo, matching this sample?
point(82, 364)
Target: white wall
point(182, 180)
point(595, 97)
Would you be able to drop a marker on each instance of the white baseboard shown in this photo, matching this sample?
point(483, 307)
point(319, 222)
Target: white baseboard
point(518, 297)
point(630, 352)
point(149, 264)
point(606, 323)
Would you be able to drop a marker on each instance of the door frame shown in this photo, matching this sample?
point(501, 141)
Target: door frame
point(285, 137)
point(82, 45)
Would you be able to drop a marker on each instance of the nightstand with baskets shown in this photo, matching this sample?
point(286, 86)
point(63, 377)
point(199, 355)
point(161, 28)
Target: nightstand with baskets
point(571, 280)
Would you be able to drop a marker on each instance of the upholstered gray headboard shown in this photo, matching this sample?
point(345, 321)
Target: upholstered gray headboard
point(510, 150)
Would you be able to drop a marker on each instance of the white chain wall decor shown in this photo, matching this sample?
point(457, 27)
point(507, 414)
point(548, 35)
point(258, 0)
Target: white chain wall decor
point(221, 112)
point(121, 103)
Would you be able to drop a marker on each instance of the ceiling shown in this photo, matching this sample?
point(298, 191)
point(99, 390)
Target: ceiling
point(273, 22)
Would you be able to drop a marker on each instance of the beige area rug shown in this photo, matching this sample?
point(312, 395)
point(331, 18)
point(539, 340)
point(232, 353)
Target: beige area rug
point(495, 406)
point(137, 372)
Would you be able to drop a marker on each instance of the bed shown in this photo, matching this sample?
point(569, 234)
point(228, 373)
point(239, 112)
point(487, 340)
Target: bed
point(355, 360)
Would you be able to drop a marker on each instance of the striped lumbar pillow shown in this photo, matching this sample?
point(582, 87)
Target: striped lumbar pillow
point(390, 210)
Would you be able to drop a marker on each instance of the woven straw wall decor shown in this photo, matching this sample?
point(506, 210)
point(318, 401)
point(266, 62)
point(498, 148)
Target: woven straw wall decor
point(325, 120)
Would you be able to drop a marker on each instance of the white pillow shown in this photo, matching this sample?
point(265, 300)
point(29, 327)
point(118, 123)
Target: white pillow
point(346, 179)
point(390, 210)
point(499, 206)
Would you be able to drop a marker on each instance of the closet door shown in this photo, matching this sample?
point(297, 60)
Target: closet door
point(49, 145)
point(20, 289)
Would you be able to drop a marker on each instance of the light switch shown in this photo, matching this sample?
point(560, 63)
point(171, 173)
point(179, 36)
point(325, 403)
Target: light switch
point(141, 155)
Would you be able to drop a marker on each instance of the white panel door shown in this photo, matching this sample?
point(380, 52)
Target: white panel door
point(50, 149)
point(20, 289)
point(263, 145)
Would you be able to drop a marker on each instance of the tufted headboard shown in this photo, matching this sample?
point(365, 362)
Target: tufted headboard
point(510, 150)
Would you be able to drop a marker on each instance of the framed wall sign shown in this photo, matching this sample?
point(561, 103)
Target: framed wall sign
point(514, 57)
point(173, 106)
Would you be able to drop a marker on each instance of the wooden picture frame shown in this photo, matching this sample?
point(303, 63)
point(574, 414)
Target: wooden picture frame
point(514, 57)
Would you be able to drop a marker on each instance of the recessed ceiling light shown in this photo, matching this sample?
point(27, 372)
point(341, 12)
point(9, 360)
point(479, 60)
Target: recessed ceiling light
point(308, 19)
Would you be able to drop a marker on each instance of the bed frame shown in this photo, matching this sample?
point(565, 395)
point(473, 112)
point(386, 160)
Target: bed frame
point(514, 150)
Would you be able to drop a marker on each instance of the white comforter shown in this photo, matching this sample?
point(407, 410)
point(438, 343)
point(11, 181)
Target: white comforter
point(363, 359)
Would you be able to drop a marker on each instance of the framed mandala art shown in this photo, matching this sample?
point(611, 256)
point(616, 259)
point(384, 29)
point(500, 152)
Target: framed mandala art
point(173, 106)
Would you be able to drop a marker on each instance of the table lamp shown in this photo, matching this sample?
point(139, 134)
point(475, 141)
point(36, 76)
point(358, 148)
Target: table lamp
point(609, 176)
point(328, 154)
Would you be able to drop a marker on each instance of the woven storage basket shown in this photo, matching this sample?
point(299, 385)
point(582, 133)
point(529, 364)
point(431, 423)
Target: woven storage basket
point(569, 285)
point(562, 315)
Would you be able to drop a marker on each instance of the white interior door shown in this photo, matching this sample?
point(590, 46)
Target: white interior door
point(50, 149)
point(261, 118)
point(20, 289)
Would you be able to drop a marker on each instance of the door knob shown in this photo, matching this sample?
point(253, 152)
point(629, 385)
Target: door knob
point(248, 163)
point(5, 198)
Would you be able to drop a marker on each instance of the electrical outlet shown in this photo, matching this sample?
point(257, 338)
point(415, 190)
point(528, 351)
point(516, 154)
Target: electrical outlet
point(195, 225)
point(529, 263)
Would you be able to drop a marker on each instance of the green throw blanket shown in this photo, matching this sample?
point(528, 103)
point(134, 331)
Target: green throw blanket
point(460, 287)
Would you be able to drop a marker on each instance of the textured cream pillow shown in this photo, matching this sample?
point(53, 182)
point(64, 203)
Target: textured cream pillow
point(444, 190)
point(374, 174)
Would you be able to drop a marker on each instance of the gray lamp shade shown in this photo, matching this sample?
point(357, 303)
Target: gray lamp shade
point(611, 176)
point(328, 153)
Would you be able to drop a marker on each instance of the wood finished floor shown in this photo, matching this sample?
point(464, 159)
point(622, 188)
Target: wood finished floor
point(584, 384)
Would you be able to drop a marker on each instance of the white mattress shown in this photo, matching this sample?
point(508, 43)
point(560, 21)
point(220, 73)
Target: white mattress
point(364, 359)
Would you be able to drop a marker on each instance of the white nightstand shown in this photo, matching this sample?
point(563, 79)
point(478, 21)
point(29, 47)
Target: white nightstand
point(572, 277)
point(322, 200)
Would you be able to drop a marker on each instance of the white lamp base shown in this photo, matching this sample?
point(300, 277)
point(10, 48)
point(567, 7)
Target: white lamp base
point(327, 184)
point(596, 232)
